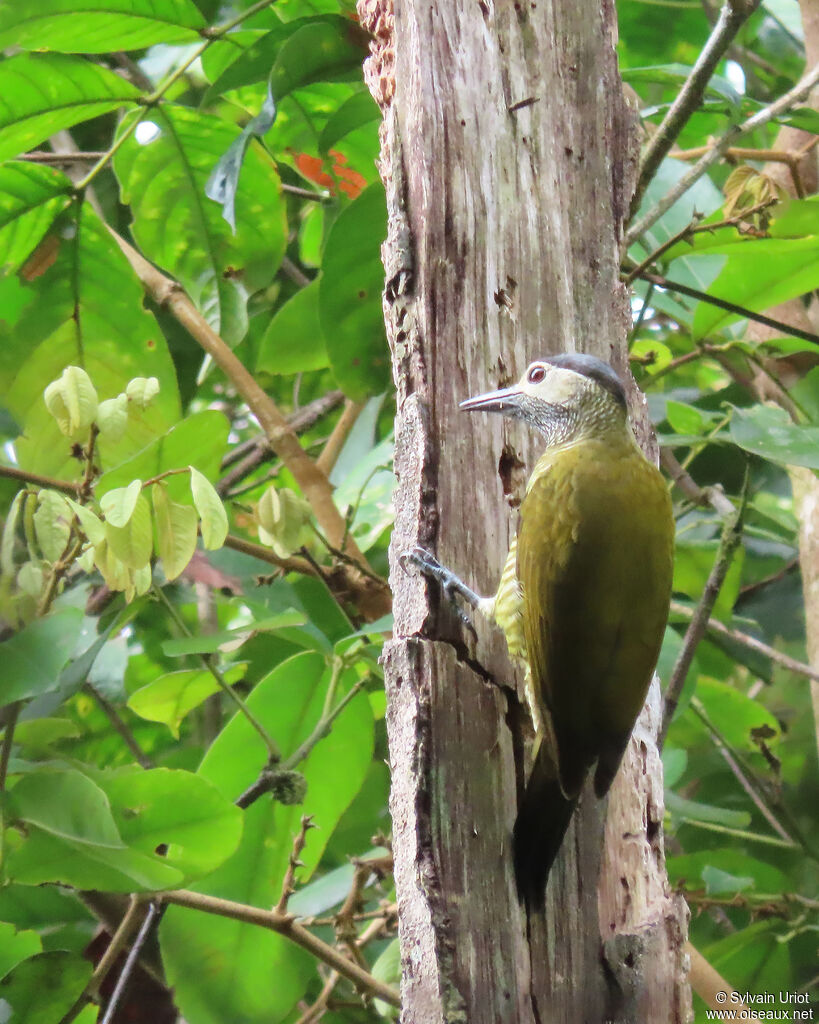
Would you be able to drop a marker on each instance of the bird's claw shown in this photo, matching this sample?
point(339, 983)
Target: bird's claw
point(451, 586)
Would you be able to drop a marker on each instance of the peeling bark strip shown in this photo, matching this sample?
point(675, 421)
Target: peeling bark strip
point(508, 162)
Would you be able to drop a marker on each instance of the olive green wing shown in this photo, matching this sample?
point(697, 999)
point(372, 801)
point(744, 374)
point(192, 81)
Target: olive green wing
point(595, 554)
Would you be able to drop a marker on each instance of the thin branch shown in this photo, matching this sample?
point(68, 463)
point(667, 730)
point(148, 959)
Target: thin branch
point(335, 442)
point(119, 939)
point(288, 883)
point(153, 913)
point(731, 307)
point(701, 496)
point(729, 541)
point(291, 564)
point(285, 925)
point(12, 714)
point(746, 640)
point(695, 228)
point(41, 156)
point(314, 484)
point(38, 480)
point(323, 727)
point(119, 726)
point(207, 664)
point(719, 742)
point(731, 18)
point(757, 120)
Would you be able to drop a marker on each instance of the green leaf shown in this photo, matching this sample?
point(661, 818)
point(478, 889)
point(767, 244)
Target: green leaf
point(693, 810)
point(66, 804)
point(253, 975)
point(769, 432)
point(692, 867)
point(164, 178)
point(31, 198)
point(686, 419)
point(177, 809)
point(737, 716)
point(176, 529)
point(676, 75)
point(693, 562)
point(40, 94)
point(322, 48)
point(293, 341)
point(15, 947)
point(171, 697)
point(52, 524)
point(387, 968)
point(211, 510)
point(86, 309)
point(133, 543)
point(758, 276)
point(118, 504)
point(98, 26)
point(201, 439)
point(34, 657)
point(43, 988)
point(359, 109)
point(350, 287)
point(229, 639)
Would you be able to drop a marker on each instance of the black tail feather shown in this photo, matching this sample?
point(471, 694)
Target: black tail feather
point(543, 817)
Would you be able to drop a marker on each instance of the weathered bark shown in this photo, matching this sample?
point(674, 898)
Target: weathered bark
point(508, 159)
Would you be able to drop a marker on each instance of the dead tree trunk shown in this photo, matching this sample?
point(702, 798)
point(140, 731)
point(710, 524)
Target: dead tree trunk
point(507, 155)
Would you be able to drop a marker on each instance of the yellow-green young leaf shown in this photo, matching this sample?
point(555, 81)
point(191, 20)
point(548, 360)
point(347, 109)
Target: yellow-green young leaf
point(112, 417)
point(114, 573)
point(52, 524)
point(86, 559)
point(171, 697)
point(142, 390)
point(118, 505)
point(282, 515)
point(175, 531)
point(211, 510)
point(9, 532)
point(91, 524)
point(142, 580)
point(30, 579)
point(72, 401)
point(132, 544)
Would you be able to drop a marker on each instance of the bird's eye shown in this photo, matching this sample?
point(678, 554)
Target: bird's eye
point(536, 373)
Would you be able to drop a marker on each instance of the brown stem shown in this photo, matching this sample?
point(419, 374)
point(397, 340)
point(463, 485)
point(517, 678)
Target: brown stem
point(282, 438)
point(729, 541)
point(288, 884)
point(335, 442)
point(119, 726)
point(25, 477)
point(285, 925)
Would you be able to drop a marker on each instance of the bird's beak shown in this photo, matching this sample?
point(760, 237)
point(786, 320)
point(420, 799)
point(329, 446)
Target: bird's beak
point(507, 400)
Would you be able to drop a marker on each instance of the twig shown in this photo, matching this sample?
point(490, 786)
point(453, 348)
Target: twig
point(24, 476)
point(12, 713)
point(290, 564)
point(314, 484)
point(751, 642)
point(752, 588)
point(285, 925)
point(729, 541)
point(694, 229)
point(153, 913)
point(207, 664)
point(288, 887)
point(324, 725)
point(757, 120)
point(741, 777)
point(119, 726)
point(713, 496)
point(42, 156)
point(335, 442)
point(731, 18)
point(118, 941)
point(731, 307)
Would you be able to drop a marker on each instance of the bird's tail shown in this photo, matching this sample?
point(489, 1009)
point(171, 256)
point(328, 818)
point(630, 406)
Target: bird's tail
point(543, 817)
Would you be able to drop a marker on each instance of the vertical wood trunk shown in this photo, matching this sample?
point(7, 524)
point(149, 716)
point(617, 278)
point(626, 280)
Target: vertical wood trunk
point(507, 155)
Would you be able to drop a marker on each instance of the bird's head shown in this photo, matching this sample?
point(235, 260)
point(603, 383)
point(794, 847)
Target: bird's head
point(564, 396)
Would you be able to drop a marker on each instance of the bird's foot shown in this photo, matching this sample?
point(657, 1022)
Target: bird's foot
point(451, 585)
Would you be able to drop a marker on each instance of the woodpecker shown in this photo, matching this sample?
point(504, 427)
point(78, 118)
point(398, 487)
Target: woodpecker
point(584, 594)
